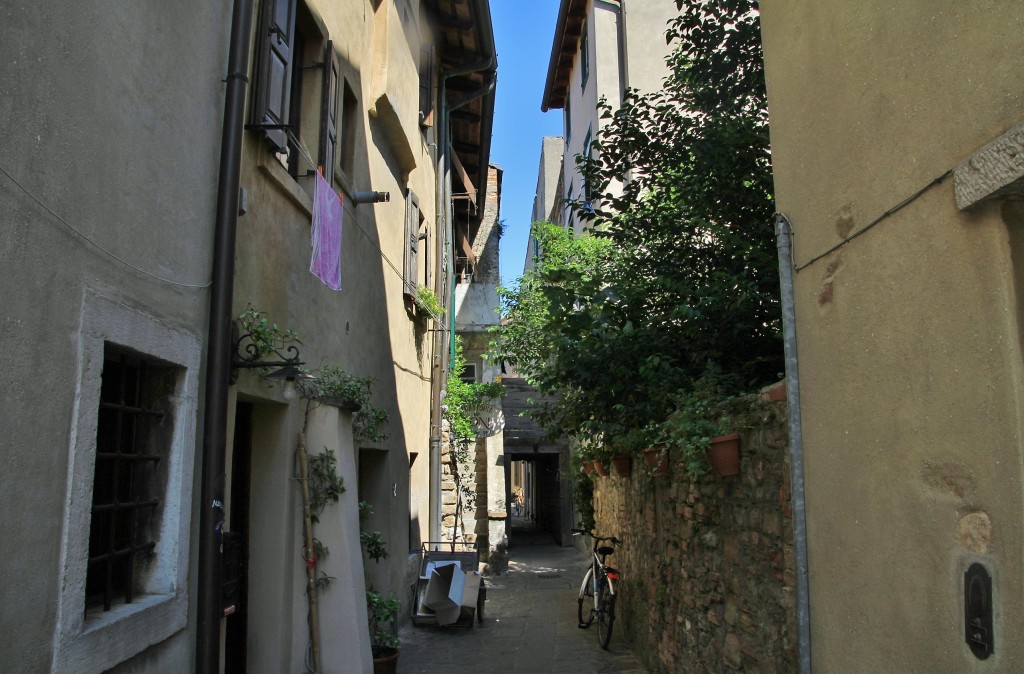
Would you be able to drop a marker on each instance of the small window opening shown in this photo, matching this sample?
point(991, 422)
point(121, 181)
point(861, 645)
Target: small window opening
point(132, 441)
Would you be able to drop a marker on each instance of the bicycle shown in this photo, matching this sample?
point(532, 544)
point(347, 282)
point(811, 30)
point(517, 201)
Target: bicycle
point(598, 587)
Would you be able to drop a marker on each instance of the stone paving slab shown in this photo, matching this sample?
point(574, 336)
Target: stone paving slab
point(529, 626)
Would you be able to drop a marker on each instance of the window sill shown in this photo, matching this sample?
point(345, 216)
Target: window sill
point(291, 186)
point(111, 637)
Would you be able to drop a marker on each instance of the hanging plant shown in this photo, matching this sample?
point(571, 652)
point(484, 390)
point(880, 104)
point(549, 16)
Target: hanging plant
point(428, 302)
point(336, 386)
point(264, 337)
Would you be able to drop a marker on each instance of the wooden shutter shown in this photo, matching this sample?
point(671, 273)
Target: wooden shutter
point(276, 49)
point(427, 85)
point(412, 244)
point(329, 112)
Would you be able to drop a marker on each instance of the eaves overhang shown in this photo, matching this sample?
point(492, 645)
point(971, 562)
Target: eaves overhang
point(469, 61)
point(572, 14)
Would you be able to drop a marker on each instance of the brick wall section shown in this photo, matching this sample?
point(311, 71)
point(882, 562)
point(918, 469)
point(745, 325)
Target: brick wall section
point(708, 566)
point(487, 237)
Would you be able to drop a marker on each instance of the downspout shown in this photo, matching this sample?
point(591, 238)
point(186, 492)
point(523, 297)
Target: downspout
point(783, 233)
point(437, 384)
point(218, 358)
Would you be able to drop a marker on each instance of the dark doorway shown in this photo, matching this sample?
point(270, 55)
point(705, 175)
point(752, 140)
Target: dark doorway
point(236, 543)
point(539, 477)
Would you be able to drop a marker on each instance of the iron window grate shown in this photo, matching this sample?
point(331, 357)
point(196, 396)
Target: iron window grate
point(126, 484)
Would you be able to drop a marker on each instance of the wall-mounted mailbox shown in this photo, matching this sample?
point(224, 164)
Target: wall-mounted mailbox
point(978, 611)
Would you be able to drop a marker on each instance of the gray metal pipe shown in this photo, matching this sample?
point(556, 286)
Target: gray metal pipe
point(783, 234)
point(218, 357)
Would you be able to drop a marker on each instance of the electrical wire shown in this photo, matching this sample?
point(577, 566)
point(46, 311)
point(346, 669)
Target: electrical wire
point(877, 220)
point(373, 243)
point(96, 245)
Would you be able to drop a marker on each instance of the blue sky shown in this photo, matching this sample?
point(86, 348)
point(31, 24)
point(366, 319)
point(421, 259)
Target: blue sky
point(523, 32)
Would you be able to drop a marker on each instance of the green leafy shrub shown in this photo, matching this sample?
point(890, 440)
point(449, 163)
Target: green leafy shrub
point(426, 300)
point(332, 383)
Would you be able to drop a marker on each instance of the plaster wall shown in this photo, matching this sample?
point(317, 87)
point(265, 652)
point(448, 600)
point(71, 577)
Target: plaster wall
point(626, 47)
point(99, 105)
point(547, 199)
point(582, 112)
point(366, 328)
point(644, 26)
point(909, 339)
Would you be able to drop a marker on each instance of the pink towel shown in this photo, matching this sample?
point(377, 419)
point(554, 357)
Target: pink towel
point(326, 235)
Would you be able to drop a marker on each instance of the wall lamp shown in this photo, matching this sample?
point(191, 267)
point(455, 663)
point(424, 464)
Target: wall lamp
point(248, 354)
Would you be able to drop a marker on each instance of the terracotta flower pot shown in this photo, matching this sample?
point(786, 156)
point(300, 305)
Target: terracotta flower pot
point(600, 468)
point(724, 455)
point(588, 467)
point(656, 459)
point(386, 662)
point(623, 465)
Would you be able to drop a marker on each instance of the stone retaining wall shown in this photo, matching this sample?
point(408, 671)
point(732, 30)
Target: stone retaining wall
point(708, 566)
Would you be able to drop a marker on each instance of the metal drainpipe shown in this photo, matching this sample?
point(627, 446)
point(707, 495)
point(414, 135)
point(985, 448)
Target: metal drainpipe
point(437, 385)
point(218, 359)
point(783, 233)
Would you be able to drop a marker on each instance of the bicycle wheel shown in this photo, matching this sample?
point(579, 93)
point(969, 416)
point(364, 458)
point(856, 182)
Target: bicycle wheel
point(605, 613)
point(585, 611)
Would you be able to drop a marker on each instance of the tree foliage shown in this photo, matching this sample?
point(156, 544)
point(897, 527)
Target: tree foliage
point(677, 279)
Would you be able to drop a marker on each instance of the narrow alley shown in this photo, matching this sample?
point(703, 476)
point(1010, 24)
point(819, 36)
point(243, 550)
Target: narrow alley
point(529, 623)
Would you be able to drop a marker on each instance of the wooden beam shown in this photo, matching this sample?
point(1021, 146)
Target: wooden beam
point(457, 164)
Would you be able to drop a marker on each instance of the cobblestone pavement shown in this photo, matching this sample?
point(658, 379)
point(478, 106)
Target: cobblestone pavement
point(529, 626)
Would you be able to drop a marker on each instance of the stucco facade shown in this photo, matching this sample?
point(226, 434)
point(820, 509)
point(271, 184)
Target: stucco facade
point(372, 326)
point(109, 186)
point(601, 48)
point(908, 320)
point(547, 202)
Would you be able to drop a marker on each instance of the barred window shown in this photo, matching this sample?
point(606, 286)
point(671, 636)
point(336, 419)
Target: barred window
point(133, 435)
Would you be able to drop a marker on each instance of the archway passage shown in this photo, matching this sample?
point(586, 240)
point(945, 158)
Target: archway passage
point(540, 499)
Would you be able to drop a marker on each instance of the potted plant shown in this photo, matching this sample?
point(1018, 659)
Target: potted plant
point(382, 613)
point(586, 454)
point(656, 457)
point(698, 418)
point(624, 446)
point(724, 454)
point(333, 385)
point(622, 464)
point(381, 609)
point(427, 303)
point(601, 456)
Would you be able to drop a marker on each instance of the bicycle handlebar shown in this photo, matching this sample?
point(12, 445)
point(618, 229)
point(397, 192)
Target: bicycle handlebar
point(597, 539)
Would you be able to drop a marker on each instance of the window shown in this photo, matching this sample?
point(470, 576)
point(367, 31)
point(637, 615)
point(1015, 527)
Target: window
point(295, 99)
point(427, 86)
point(584, 58)
point(587, 166)
point(349, 120)
point(468, 373)
point(568, 121)
point(414, 234)
point(127, 509)
point(132, 440)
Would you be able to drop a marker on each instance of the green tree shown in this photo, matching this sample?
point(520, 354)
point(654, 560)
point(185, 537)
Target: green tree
point(677, 280)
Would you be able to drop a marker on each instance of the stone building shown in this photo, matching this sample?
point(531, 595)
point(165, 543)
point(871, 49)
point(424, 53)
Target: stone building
point(121, 248)
point(476, 313)
point(896, 134)
point(108, 194)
